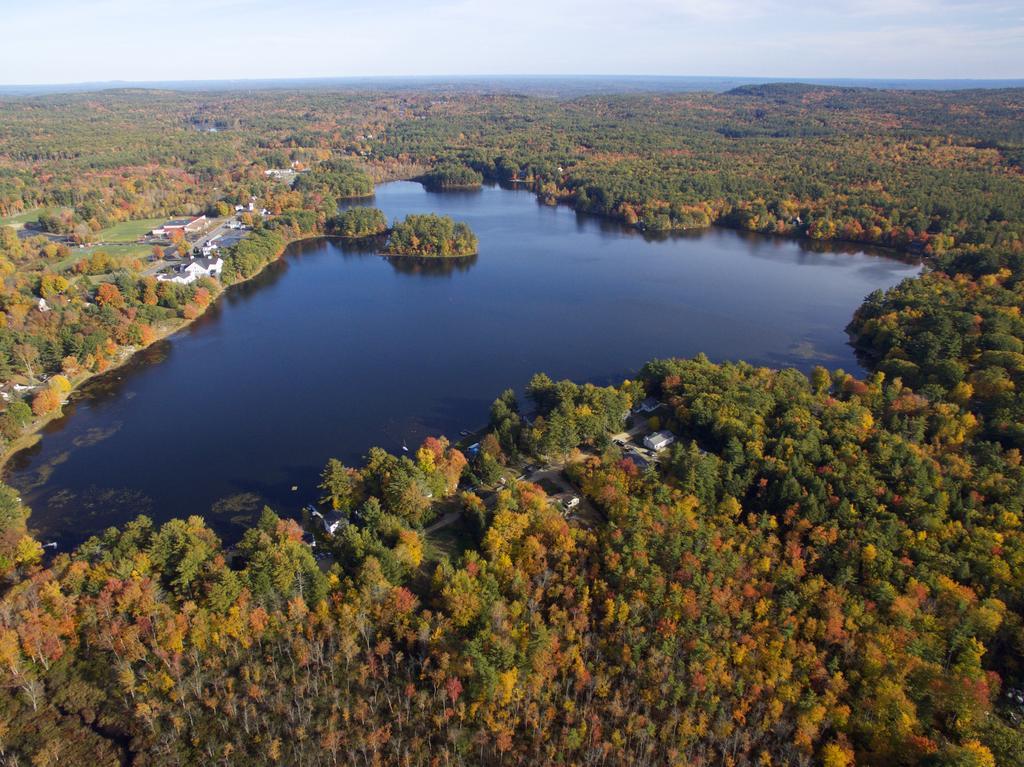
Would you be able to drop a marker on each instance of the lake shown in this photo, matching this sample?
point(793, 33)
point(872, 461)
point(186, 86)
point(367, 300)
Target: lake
point(334, 349)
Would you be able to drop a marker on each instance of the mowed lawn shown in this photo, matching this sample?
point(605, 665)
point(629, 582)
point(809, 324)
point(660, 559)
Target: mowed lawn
point(123, 254)
point(19, 220)
point(129, 231)
point(126, 231)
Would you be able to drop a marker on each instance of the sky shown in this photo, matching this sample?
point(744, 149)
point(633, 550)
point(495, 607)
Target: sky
point(69, 41)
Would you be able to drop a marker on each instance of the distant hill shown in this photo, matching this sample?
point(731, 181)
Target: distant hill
point(785, 90)
point(559, 85)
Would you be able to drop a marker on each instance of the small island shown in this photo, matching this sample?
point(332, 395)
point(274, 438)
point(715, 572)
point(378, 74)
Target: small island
point(431, 236)
point(452, 176)
point(358, 222)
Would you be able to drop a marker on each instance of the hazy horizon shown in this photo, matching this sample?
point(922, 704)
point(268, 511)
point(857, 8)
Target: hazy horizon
point(555, 84)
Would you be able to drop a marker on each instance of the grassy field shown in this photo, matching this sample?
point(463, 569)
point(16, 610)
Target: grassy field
point(129, 231)
point(126, 231)
point(21, 219)
point(449, 541)
point(122, 253)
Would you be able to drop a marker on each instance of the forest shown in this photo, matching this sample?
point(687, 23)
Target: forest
point(821, 570)
point(824, 570)
point(337, 179)
point(358, 222)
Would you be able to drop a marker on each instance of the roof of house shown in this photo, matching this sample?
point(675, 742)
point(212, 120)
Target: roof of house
point(660, 436)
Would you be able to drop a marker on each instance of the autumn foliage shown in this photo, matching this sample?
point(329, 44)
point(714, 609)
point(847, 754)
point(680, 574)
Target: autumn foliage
point(811, 576)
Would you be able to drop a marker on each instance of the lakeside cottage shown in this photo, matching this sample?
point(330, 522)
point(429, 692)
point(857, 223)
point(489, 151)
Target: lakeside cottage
point(187, 273)
point(334, 521)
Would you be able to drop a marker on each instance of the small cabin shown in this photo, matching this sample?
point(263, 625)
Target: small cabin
point(659, 440)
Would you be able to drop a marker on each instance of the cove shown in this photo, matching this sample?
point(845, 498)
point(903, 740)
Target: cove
point(334, 349)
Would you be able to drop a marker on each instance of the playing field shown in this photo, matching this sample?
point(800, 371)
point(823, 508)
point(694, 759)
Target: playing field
point(21, 219)
point(129, 231)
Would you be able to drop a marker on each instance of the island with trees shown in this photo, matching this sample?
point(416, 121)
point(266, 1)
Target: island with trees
point(431, 236)
point(452, 176)
point(358, 222)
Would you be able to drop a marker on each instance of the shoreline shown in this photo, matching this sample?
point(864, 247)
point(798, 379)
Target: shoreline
point(904, 254)
point(901, 254)
point(33, 434)
point(387, 254)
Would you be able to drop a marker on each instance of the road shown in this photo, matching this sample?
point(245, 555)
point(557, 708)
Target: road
point(444, 521)
point(218, 231)
point(221, 230)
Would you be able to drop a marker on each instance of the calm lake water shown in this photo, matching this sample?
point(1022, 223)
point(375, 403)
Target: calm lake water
point(334, 349)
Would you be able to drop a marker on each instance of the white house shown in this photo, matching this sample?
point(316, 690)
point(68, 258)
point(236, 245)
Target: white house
point(43, 306)
point(187, 273)
point(659, 440)
point(209, 249)
point(334, 521)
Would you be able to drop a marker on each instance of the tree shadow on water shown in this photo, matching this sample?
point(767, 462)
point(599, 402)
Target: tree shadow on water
point(430, 267)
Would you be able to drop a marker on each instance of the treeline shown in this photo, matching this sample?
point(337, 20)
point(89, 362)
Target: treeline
point(358, 222)
point(956, 333)
point(921, 170)
point(65, 318)
point(832, 164)
point(384, 507)
point(336, 179)
point(430, 235)
point(252, 253)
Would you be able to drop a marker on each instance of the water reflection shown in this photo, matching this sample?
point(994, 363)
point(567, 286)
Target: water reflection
point(359, 246)
point(430, 267)
point(327, 353)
